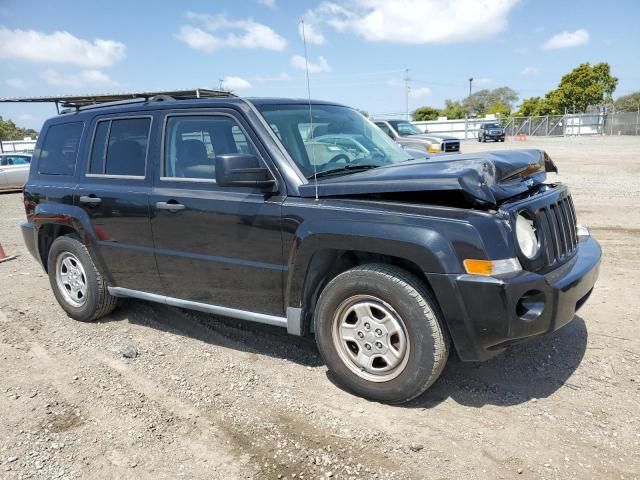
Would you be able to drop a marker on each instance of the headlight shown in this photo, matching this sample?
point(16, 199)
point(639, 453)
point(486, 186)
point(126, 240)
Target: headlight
point(527, 237)
point(433, 148)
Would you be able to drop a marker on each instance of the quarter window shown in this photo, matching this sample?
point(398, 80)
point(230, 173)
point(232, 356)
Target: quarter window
point(120, 147)
point(60, 149)
point(192, 142)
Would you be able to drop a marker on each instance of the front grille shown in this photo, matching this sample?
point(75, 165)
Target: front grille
point(559, 236)
point(450, 146)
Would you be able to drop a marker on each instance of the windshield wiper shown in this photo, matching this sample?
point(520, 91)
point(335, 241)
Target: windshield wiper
point(345, 169)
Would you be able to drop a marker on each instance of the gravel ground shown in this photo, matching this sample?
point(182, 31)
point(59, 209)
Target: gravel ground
point(157, 392)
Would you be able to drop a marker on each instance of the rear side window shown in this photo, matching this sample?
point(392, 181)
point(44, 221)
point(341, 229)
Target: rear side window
point(60, 149)
point(120, 147)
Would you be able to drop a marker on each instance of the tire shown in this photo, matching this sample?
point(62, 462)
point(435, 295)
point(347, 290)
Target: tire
point(70, 257)
point(383, 292)
point(479, 139)
point(484, 139)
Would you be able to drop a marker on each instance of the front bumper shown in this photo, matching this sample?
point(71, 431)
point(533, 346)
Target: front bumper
point(486, 314)
point(494, 136)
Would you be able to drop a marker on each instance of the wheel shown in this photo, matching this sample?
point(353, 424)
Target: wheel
point(484, 139)
point(76, 282)
point(379, 333)
point(502, 139)
point(479, 139)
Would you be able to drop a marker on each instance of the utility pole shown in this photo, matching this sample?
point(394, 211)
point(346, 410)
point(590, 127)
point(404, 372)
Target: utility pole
point(407, 89)
point(470, 83)
point(220, 83)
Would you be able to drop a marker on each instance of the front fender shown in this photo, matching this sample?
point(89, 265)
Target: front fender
point(426, 248)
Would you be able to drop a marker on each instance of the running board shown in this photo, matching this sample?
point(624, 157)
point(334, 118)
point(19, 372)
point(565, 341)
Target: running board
point(292, 323)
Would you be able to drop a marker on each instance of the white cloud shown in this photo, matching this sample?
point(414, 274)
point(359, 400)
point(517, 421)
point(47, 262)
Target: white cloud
point(322, 65)
point(59, 47)
point(416, 21)
point(267, 3)
point(235, 83)
point(218, 31)
point(567, 39)
point(81, 79)
point(16, 83)
point(313, 36)
point(420, 92)
point(529, 71)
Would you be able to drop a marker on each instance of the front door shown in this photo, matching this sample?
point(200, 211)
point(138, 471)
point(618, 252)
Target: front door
point(215, 245)
point(114, 192)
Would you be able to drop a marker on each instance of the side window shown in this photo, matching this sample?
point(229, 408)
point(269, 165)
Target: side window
point(384, 128)
point(120, 147)
point(192, 142)
point(60, 149)
point(19, 160)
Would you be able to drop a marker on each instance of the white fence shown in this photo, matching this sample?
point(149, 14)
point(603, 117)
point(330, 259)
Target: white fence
point(619, 123)
point(26, 145)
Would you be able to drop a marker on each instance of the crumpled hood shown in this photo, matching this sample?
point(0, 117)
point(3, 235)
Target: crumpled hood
point(485, 178)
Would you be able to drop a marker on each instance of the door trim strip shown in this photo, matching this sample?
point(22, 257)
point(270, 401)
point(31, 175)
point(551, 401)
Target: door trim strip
point(202, 307)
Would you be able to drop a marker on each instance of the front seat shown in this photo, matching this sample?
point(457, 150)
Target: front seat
point(193, 162)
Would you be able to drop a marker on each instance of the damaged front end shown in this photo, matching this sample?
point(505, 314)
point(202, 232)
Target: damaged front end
point(483, 180)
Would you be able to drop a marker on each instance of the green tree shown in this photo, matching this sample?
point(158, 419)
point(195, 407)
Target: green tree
point(534, 106)
point(453, 109)
point(9, 131)
point(628, 103)
point(585, 85)
point(499, 108)
point(481, 101)
point(426, 113)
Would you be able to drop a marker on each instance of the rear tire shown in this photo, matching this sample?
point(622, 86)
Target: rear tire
point(379, 332)
point(79, 287)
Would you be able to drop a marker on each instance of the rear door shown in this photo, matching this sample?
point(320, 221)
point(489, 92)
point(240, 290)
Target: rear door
point(114, 192)
point(215, 245)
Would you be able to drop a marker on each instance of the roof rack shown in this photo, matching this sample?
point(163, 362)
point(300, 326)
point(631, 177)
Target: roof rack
point(81, 101)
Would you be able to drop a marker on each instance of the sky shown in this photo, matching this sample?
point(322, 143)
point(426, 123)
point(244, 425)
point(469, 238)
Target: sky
point(358, 50)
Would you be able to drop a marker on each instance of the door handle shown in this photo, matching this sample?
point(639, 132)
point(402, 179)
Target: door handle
point(90, 200)
point(171, 205)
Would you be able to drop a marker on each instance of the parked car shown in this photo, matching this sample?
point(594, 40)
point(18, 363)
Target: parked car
point(216, 205)
point(408, 135)
point(14, 170)
point(491, 131)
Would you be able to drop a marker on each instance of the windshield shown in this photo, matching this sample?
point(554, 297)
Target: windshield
point(406, 128)
point(335, 138)
point(492, 125)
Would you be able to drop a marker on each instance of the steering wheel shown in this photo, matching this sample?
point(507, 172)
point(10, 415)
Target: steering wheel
point(338, 158)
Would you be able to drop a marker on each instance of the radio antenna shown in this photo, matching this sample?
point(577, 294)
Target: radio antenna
point(313, 150)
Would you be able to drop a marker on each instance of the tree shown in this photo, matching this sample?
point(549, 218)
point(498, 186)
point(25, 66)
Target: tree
point(481, 101)
point(453, 109)
point(585, 85)
point(534, 106)
point(9, 131)
point(499, 108)
point(628, 103)
point(426, 113)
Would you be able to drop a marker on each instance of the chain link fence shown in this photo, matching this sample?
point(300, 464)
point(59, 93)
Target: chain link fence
point(598, 123)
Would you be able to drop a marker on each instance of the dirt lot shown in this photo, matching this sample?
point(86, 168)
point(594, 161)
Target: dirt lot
point(205, 397)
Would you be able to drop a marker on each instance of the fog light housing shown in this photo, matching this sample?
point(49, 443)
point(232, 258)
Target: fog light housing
point(531, 305)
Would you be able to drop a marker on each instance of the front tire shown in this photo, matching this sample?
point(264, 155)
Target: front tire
point(79, 287)
point(379, 332)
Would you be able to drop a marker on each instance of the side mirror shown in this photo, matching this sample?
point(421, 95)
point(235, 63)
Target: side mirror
point(242, 170)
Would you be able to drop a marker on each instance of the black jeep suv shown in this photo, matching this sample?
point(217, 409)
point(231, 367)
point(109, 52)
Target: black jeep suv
point(232, 206)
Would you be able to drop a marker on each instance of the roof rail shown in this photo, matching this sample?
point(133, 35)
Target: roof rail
point(86, 101)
